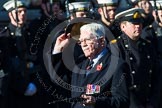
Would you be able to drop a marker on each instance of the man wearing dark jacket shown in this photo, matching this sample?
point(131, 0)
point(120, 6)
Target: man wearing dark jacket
point(14, 79)
point(95, 79)
point(140, 55)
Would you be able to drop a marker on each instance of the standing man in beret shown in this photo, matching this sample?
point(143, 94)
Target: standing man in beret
point(147, 14)
point(144, 81)
point(15, 35)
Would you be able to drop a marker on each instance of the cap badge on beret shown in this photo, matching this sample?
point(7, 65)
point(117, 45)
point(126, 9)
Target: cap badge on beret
point(136, 15)
point(82, 9)
point(79, 6)
point(132, 15)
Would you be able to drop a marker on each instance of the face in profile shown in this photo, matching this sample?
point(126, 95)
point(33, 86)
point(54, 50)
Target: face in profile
point(133, 30)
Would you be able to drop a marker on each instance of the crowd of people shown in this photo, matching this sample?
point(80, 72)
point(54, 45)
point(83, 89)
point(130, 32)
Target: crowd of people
point(103, 56)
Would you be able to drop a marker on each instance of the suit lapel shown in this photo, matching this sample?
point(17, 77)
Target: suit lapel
point(96, 74)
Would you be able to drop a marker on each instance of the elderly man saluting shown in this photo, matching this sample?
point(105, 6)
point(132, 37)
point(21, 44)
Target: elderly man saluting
point(92, 69)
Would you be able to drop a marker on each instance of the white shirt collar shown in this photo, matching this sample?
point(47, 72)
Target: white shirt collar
point(101, 54)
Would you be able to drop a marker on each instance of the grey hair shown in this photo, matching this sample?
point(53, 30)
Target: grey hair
point(96, 29)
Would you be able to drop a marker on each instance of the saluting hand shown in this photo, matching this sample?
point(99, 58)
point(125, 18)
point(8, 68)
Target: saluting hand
point(61, 42)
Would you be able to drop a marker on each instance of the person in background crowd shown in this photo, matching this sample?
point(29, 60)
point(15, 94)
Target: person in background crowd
point(153, 33)
point(107, 9)
point(94, 46)
point(144, 85)
point(79, 9)
point(52, 14)
point(147, 16)
point(15, 79)
point(133, 3)
point(40, 28)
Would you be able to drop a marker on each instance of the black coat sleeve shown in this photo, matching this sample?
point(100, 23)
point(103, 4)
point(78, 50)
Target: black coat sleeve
point(119, 97)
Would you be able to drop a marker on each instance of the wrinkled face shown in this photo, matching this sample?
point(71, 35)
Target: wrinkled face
point(132, 30)
point(22, 15)
point(89, 44)
point(160, 15)
point(109, 12)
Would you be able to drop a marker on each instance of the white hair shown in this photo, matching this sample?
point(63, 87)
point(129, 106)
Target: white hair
point(95, 29)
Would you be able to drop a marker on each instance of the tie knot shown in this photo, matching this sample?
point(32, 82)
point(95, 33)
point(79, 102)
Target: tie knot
point(90, 65)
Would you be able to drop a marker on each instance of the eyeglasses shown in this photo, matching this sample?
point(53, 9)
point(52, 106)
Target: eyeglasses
point(86, 40)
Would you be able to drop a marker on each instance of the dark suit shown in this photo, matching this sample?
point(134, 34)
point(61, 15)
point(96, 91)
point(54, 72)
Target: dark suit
point(144, 74)
point(113, 80)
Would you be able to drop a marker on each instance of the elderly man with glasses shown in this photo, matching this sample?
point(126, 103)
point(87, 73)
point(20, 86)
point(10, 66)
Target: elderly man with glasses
point(92, 78)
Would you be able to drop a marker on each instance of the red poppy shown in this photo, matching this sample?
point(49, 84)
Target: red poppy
point(99, 67)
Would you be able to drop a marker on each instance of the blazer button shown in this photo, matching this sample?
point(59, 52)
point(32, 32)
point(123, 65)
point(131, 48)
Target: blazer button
point(131, 58)
point(126, 46)
point(12, 33)
point(148, 56)
point(150, 71)
point(134, 86)
point(133, 72)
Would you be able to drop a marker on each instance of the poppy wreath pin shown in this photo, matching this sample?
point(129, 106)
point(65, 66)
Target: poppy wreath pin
point(99, 67)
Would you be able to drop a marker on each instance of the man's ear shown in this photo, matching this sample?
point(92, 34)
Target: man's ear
point(122, 26)
point(154, 14)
